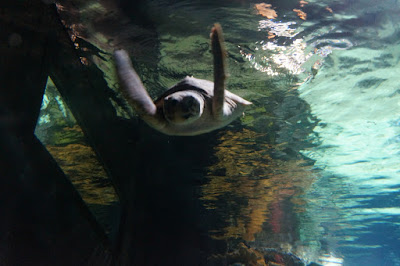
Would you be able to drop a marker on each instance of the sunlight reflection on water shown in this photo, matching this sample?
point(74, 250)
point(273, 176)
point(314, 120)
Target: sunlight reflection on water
point(333, 210)
point(356, 141)
point(282, 203)
point(271, 56)
point(355, 152)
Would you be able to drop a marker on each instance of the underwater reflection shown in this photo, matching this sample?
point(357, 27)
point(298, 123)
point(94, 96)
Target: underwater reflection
point(252, 191)
point(250, 194)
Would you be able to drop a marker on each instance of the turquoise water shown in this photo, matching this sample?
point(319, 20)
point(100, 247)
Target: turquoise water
point(311, 169)
point(341, 68)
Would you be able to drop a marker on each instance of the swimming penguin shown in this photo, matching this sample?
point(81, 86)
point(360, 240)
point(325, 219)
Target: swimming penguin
point(191, 107)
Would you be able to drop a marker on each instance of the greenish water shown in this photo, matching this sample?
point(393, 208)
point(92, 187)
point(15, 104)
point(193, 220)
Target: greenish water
point(312, 169)
point(325, 89)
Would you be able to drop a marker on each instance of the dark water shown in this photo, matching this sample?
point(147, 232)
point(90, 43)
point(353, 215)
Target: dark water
point(312, 169)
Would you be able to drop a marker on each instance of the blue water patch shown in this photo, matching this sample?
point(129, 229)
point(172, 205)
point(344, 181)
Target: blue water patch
point(313, 166)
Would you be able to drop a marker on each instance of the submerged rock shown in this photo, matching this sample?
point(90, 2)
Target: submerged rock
point(245, 255)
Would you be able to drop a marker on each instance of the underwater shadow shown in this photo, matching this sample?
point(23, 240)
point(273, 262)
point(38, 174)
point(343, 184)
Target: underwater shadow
point(163, 220)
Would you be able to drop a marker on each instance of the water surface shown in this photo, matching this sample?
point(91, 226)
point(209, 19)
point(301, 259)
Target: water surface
point(312, 168)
